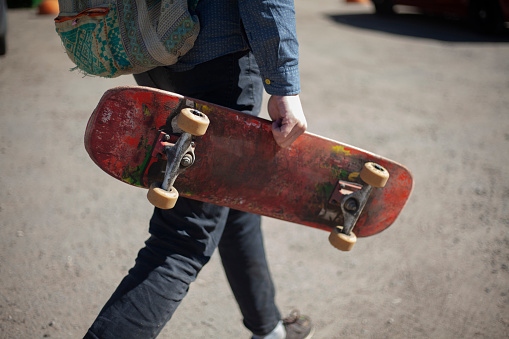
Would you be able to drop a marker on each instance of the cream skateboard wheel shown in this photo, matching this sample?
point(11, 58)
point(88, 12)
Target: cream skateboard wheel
point(161, 198)
point(374, 175)
point(193, 121)
point(341, 241)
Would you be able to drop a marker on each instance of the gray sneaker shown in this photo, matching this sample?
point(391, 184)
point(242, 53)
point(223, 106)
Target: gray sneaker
point(298, 326)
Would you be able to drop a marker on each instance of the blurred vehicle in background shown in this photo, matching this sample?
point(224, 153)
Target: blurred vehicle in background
point(485, 15)
point(3, 26)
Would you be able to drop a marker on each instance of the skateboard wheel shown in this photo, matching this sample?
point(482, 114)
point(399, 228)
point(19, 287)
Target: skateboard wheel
point(341, 241)
point(193, 121)
point(374, 174)
point(161, 198)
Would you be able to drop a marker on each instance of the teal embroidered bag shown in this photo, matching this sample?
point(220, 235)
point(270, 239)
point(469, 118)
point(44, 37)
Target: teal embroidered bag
point(109, 38)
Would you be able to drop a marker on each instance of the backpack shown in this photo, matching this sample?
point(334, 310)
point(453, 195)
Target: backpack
point(109, 38)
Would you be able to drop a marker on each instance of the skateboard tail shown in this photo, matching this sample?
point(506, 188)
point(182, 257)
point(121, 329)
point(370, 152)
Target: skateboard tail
point(125, 151)
point(387, 205)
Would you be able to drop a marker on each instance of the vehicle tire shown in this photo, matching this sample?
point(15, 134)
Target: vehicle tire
point(3, 45)
point(486, 16)
point(3, 27)
point(383, 7)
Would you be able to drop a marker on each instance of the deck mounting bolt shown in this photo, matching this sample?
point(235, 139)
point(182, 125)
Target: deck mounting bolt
point(187, 160)
point(351, 205)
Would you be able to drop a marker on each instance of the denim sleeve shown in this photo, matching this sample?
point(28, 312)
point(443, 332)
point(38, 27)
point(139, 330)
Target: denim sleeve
point(271, 31)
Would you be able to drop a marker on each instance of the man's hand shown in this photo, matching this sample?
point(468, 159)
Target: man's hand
point(288, 119)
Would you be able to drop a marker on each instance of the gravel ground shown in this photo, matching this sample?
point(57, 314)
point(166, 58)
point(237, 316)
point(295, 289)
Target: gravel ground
point(428, 93)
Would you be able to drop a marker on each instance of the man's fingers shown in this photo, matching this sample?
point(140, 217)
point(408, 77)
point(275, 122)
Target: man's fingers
point(286, 134)
point(289, 121)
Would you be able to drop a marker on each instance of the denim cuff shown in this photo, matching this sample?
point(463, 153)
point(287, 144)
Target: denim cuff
point(282, 81)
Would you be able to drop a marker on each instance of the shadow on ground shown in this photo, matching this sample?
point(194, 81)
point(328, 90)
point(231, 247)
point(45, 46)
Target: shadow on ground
point(420, 26)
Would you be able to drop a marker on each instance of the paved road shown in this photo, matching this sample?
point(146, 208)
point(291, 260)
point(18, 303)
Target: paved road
point(430, 94)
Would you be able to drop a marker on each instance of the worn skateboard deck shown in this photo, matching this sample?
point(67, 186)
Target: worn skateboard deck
point(238, 164)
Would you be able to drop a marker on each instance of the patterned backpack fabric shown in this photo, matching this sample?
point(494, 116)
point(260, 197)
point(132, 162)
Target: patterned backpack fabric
point(109, 38)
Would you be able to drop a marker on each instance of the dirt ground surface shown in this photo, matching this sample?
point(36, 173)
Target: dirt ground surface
point(428, 93)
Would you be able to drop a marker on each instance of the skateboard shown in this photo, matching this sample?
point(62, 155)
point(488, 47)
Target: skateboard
point(178, 146)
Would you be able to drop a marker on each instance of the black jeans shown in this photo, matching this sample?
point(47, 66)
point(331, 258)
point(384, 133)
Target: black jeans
point(184, 238)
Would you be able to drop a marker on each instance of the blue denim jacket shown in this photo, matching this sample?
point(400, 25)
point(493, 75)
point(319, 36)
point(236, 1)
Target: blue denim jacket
point(267, 27)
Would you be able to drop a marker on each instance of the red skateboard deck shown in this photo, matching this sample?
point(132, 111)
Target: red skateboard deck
point(238, 164)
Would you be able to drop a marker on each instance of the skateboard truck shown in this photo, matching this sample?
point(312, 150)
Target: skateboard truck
point(179, 156)
point(352, 202)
